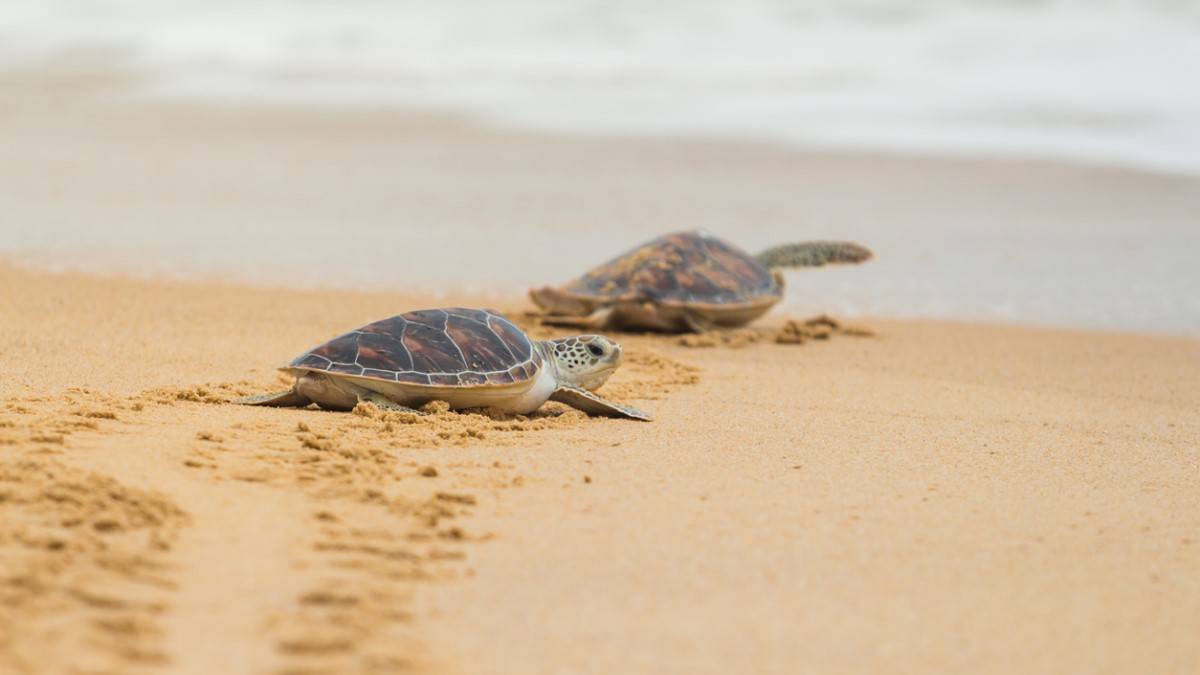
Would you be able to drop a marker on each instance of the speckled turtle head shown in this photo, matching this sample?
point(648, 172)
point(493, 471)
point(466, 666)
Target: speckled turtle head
point(586, 361)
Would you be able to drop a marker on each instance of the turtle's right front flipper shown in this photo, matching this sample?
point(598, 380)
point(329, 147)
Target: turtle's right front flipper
point(280, 399)
point(814, 254)
point(584, 400)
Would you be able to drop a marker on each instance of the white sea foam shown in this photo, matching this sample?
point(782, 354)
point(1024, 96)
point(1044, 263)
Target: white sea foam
point(1098, 80)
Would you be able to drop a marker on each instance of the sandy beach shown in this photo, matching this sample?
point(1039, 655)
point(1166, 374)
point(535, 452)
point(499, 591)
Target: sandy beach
point(938, 497)
point(935, 497)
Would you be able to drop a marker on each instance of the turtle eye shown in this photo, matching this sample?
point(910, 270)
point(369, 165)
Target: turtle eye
point(595, 349)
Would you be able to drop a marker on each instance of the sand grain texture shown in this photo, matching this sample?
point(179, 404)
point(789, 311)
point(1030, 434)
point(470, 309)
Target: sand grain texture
point(280, 540)
point(936, 497)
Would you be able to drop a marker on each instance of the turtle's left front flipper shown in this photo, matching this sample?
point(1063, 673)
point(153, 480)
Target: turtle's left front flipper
point(592, 404)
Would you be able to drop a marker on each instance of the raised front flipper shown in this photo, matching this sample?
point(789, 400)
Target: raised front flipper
point(592, 404)
point(815, 254)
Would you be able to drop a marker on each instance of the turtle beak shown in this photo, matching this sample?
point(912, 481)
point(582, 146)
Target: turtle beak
point(616, 356)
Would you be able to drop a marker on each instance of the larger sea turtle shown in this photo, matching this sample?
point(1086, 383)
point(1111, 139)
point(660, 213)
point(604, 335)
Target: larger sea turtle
point(686, 281)
point(470, 358)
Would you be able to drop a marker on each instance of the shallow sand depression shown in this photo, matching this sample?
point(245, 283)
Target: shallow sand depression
point(934, 497)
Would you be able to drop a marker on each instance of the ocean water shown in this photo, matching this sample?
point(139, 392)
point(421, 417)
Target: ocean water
point(1095, 81)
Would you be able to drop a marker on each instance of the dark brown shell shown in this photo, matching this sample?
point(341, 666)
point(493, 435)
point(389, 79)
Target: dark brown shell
point(453, 347)
point(684, 268)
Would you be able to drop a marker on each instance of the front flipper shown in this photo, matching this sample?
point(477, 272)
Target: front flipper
point(594, 405)
point(280, 399)
point(815, 254)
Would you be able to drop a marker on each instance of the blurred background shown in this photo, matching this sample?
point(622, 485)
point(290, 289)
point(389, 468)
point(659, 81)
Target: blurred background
point(1013, 160)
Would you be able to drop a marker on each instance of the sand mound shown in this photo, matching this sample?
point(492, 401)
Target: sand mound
point(650, 375)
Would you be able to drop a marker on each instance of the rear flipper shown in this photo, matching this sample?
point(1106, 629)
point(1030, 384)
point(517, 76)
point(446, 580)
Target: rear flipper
point(594, 321)
point(814, 254)
point(294, 399)
point(280, 399)
point(571, 321)
point(592, 404)
point(555, 301)
point(384, 403)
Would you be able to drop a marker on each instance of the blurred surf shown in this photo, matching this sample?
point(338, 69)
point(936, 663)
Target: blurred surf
point(1109, 81)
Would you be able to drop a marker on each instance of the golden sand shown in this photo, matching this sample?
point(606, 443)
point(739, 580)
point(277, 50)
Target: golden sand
point(936, 497)
point(317, 574)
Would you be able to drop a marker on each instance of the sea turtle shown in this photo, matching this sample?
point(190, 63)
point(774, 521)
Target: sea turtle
point(686, 281)
point(470, 358)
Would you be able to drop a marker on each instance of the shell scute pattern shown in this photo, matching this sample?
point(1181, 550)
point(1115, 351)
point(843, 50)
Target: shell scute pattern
point(432, 348)
point(382, 350)
point(681, 268)
point(337, 351)
point(437, 347)
point(470, 379)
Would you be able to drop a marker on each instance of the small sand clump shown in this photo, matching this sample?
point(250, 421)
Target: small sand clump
point(822, 327)
point(734, 339)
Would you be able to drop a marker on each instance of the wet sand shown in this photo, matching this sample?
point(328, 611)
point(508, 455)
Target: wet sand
point(99, 178)
point(938, 497)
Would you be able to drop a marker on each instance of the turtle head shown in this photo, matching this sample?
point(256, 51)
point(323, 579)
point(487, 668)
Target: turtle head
point(584, 360)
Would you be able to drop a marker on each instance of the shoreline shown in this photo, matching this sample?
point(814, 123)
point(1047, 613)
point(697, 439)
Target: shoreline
point(517, 298)
point(105, 180)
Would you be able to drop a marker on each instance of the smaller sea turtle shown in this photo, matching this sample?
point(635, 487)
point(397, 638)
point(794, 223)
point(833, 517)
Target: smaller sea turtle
point(686, 281)
point(469, 358)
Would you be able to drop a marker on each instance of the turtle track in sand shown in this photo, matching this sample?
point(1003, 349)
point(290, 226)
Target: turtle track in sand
point(316, 567)
point(386, 511)
point(224, 538)
point(310, 531)
point(85, 560)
